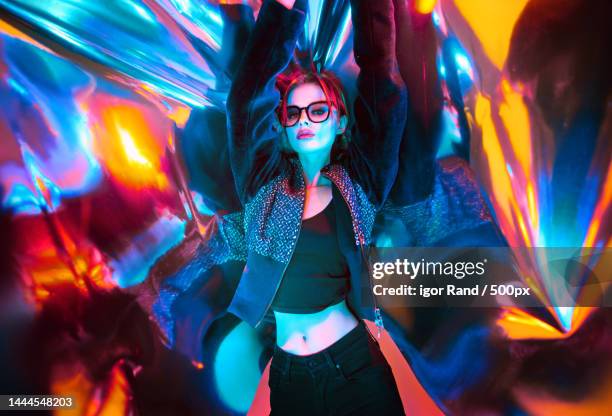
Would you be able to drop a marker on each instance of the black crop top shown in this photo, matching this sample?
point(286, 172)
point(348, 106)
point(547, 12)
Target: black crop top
point(317, 275)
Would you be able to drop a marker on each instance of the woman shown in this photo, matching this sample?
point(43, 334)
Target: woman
point(309, 204)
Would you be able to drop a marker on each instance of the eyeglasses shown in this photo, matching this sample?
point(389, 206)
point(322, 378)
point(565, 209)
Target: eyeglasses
point(317, 112)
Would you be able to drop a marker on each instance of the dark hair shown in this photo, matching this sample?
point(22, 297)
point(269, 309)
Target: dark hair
point(334, 94)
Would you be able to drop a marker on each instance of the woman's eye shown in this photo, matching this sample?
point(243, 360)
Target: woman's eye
point(319, 111)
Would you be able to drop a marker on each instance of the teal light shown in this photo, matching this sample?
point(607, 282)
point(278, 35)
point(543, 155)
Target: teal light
point(236, 368)
point(564, 314)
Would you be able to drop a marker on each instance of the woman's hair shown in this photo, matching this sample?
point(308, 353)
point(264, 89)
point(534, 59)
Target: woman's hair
point(269, 162)
point(334, 94)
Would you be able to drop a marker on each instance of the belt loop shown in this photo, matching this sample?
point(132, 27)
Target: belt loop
point(328, 358)
point(331, 363)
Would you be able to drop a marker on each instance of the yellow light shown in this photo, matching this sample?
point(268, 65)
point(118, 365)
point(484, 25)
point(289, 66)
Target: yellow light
point(603, 206)
point(425, 6)
point(129, 140)
point(515, 116)
point(492, 22)
point(131, 151)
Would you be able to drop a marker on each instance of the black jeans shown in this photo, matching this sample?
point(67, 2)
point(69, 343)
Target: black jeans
point(350, 377)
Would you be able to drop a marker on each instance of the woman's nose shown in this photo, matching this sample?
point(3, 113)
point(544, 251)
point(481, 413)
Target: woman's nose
point(304, 116)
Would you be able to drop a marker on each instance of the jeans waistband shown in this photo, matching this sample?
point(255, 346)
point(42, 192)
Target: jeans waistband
point(329, 357)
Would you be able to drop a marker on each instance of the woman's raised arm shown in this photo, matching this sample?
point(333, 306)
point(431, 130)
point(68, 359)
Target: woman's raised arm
point(380, 106)
point(253, 98)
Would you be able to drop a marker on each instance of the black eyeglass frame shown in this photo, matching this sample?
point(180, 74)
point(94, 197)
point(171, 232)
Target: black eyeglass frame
point(300, 109)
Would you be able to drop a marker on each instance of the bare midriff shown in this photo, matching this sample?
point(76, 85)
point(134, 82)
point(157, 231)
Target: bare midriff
point(309, 333)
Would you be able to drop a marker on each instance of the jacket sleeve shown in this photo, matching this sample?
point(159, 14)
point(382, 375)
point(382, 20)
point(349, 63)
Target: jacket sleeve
point(191, 286)
point(416, 49)
point(238, 22)
point(380, 106)
point(253, 98)
point(455, 214)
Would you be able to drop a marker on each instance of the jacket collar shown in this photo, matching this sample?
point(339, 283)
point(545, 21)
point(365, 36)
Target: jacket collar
point(341, 179)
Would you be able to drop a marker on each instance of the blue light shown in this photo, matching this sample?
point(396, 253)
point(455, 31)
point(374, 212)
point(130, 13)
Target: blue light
point(49, 194)
point(21, 200)
point(200, 205)
point(142, 12)
point(17, 87)
point(440, 65)
point(436, 19)
point(565, 314)
point(214, 17)
point(457, 60)
point(463, 62)
point(133, 265)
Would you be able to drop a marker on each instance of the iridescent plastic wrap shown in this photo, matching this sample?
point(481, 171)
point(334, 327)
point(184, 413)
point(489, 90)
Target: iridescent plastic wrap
point(531, 82)
point(112, 132)
point(540, 139)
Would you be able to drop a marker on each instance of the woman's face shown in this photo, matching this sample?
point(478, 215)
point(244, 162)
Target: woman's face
point(307, 136)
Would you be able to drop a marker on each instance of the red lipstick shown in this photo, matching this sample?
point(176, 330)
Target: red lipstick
point(304, 134)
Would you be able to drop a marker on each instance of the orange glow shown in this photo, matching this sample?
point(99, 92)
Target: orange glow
point(513, 193)
point(179, 114)
point(531, 204)
point(116, 400)
point(519, 325)
point(603, 205)
point(75, 385)
point(589, 240)
point(515, 116)
point(492, 22)
point(126, 140)
point(523, 229)
point(48, 270)
point(45, 266)
point(538, 403)
point(502, 188)
point(174, 110)
point(9, 30)
point(109, 397)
